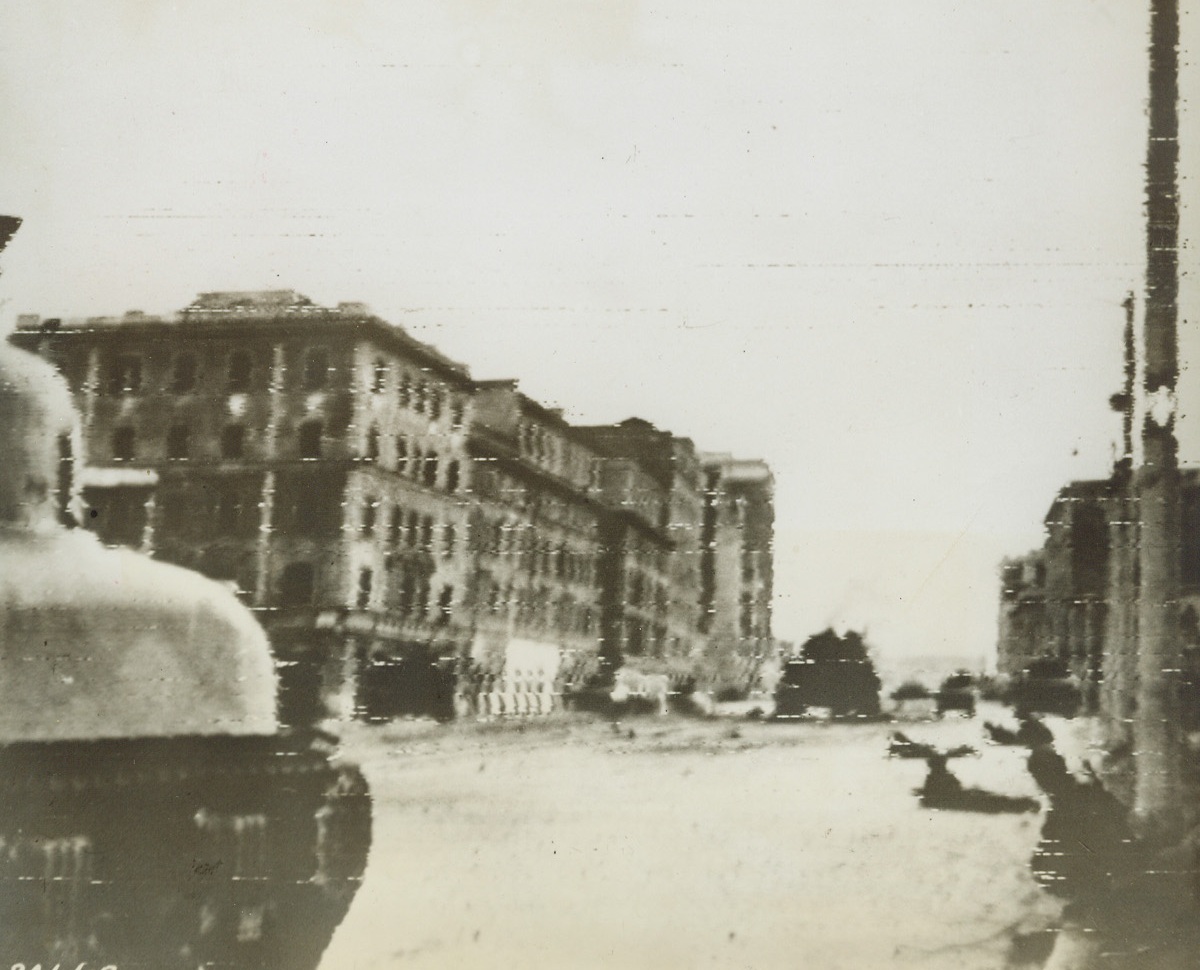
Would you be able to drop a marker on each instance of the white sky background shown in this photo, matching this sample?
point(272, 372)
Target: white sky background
point(881, 243)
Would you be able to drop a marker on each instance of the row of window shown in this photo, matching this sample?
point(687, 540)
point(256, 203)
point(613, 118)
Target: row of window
point(418, 395)
point(517, 542)
point(408, 595)
point(421, 466)
point(642, 638)
point(124, 442)
point(412, 461)
point(491, 484)
point(123, 374)
point(535, 441)
point(407, 529)
point(411, 594)
point(532, 608)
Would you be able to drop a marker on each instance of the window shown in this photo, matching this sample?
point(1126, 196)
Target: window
point(636, 638)
point(365, 580)
point(125, 375)
point(123, 443)
point(401, 454)
point(296, 584)
point(423, 598)
point(371, 452)
point(456, 412)
point(241, 368)
point(427, 533)
point(435, 403)
point(395, 525)
point(368, 516)
point(316, 369)
point(183, 376)
point(379, 376)
point(445, 603)
point(411, 529)
point(452, 477)
point(406, 595)
point(233, 441)
point(177, 441)
point(419, 395)
point(404, 393)
point(448, 538)
point(310, 439)
point(430, 471)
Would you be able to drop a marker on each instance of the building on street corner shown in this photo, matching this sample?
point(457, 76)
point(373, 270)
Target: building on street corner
point(313, 458)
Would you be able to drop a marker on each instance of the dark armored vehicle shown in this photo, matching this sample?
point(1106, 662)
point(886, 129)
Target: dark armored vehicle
point(1046, 687)
point(957, 693)
point(152, 812)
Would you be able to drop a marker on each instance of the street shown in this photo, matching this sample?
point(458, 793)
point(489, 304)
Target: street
point(670, 842)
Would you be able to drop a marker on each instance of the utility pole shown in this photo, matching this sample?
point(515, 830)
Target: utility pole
point(1156, 730)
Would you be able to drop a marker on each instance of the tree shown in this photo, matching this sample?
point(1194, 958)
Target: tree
point(831, 671)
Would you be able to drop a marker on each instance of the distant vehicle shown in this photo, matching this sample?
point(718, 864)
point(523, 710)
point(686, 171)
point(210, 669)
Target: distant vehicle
point(957, 693)
point(1046, 687)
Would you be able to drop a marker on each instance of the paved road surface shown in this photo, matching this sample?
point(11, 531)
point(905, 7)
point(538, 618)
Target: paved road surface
point(692, 844)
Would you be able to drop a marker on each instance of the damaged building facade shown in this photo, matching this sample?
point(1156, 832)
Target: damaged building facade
point(1073, 600)
point(652, 481)
point(737, 569)
point(535, 551)
point(312, 458)
point(414, 540)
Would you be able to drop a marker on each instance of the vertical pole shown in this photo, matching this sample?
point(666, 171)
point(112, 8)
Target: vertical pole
point(1157, 795)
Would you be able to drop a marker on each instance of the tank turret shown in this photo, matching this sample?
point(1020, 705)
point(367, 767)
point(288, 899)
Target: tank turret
point(152, 812)
point(98, 642)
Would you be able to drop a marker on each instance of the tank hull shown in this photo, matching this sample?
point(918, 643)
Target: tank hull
point(238, 852)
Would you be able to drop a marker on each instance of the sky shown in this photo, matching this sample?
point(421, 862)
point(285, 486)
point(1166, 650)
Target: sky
point(882, 244)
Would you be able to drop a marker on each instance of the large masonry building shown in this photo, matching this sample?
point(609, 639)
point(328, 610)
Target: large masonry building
point(414, 540)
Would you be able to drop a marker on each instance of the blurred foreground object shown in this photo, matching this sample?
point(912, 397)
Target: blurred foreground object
point(151, 812)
